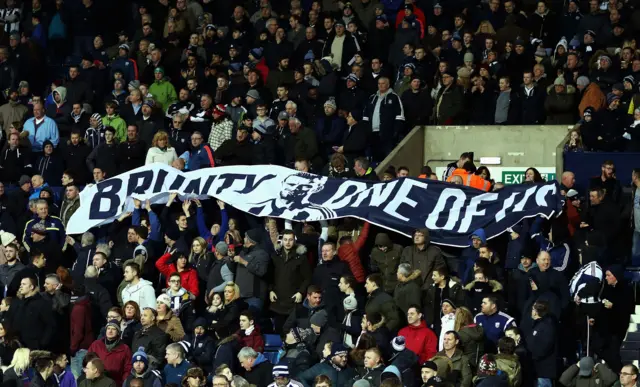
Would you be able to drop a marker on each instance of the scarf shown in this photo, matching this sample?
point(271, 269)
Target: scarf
point(111, 344)
point(76, 117)
point(346, 338)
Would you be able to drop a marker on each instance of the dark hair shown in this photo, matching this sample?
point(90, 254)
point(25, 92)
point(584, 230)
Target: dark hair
point(88, 357)
point(469, 166)
point(507, 345)
point(376, 278)
point(442, 270)
point(416, 307)
point(314, 289)
point(402, 168)
point(493, 300)
point(426, 170)
point(483, 169)
point(247, 314)
point(134, 266)
point(374, 318)
point(350, 281)
point(541, 307)
point(537, 177)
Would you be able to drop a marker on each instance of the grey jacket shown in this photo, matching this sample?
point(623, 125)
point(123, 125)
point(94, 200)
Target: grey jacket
point(252, 278)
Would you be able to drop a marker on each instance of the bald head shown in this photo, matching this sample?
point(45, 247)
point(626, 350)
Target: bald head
point(568, 179)
point(543, 260)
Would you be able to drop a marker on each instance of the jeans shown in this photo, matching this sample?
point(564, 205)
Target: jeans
point(635, 249)
point(76, 362)
point(544, 382)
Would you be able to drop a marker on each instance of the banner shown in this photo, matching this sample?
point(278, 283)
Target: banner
point(450, 212)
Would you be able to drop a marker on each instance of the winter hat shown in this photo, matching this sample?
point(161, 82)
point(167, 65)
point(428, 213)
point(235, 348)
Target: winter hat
point(164, 299)
point(430, 365)
point(540, 51)
point(382, 18)
point(611, 97)
point(200, 322)
point(236, 67)
point(448, 301)
point(586, 366)
point(149, 102)
point(280, 370)
point(39, 229)
point(591, 33)
point(158, 70)
point(47, 142)
point(630, 79)
point(571, 193)
point(255, 234)
point(338, 349)
point(331, 102)
point(352, 77)
point(256, 53)
point(349, 302)
point(605, 58)
point(253, 94)
point(464, 72)
point(319, 319)
point(560, 81)
point(140, 355)
point(6, 238)
point(24, 179)
point(124, 46)
point(186, 347)
point(23, 84)
point(398, 343)
point(617, 271)
point(357, 115)
point(487, 366)
point(582, 81)
point(114, 324)
point(283, 115)
point(339, 22)
point(468, 57)
point(222, 248)
point(135, 84)
point(309, 56)
point(172, 233)
point(618, 86)
point(361, 383)
point(220, 109)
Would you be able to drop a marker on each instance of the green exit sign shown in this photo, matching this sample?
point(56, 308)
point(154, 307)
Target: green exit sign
point(517, 177)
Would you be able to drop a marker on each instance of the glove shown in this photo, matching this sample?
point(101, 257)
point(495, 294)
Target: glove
point(626, 135)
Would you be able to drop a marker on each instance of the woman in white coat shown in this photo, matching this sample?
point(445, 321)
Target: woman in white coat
point(161, 151)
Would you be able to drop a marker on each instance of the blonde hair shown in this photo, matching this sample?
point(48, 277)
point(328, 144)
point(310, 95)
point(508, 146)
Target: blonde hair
point(21, 360)
point(161, 135)
point(464, 317)
point(486, 23)
point(236, 291)
point(202, 243)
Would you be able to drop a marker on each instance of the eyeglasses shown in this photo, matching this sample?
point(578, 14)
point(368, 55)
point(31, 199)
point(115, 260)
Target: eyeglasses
point(174, 281)
point(626, 374)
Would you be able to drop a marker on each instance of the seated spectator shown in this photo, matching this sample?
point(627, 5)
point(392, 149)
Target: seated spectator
point(249, 334)
point(177, 365)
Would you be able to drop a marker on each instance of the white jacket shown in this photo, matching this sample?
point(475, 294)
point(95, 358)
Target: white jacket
point(142, 293)
point(156, 155)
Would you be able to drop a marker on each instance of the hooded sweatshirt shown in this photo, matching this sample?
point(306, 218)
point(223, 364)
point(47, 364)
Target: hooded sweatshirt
point(142, 293)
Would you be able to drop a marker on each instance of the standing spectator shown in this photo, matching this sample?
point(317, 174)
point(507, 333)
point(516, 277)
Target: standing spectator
point(138, 289)
point(385, 115)
point(32, 315)
point(533, 100)
point(423, 255)
point(493, 321)
point(380, 302)
point(164, 94)
point(256, 368)
point(41, 128)
point(115, 355)
point(151, 338)
point(419, 338)
point(448, 101)
point(542, 344)
point(253, 264)
point(161, 151)
point(459, 362)
point(177, 365)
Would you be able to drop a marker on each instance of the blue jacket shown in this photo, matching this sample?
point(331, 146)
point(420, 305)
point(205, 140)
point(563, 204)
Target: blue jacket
point(202, 349)
point(54, 226)
point(515, 246)
point(126, 65)
point(201, 158)
point(35, 193)
point(66, 378)
point(468, 258)
point(48, 130)
point(494, 325)
point(156, 233)
point(57, 28)
point(545, 351)
point(334, 135)
point(173, 374)
point(206, 232)
point(85, 258)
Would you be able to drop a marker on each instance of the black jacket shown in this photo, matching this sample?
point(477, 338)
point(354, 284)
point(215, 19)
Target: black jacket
point(292, 274)
point(392, 119)
point(131, 155)
point(33, 320)
point(232, 152)
point(154, 341)
point(264, 151)
point(327, 276)
point(14, 163)
point(104, 157)
point(78, 91)
point(542, 343)
point(75, 157)
point(355, 141)
point(50, 168)
point(417, 107)
point(532, 106)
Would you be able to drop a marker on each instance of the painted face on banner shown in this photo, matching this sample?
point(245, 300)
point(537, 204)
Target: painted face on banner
point(297, 187)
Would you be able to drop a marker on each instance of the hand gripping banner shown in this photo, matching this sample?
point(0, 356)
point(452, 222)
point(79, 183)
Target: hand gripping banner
point(450, 212)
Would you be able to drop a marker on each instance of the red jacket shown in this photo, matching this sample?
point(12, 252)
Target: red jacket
point(350, 253)
point(420, 340)
point(81, 329)
point(262, 68)
point(188, 277)
point(117, 363)
point(254, 340)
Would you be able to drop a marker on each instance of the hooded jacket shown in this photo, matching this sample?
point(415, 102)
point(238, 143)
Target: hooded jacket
point(510, 365)
point(60, 112)
point(142, 293)
point(408, 291)
point(260, 374)
point(172, 326)
point(386, 262)
point(381, 302)
point(292, 274)
point(453, 292)
point(350, 253)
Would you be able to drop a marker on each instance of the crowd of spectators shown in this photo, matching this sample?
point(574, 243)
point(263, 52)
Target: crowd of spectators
point(198, 293)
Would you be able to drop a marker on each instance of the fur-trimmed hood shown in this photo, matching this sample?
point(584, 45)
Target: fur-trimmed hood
point(299, 249)
point(495, 285)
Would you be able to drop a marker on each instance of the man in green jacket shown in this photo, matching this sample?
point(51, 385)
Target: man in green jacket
point(588, 374)
point(162, 90)
point(459, 361)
